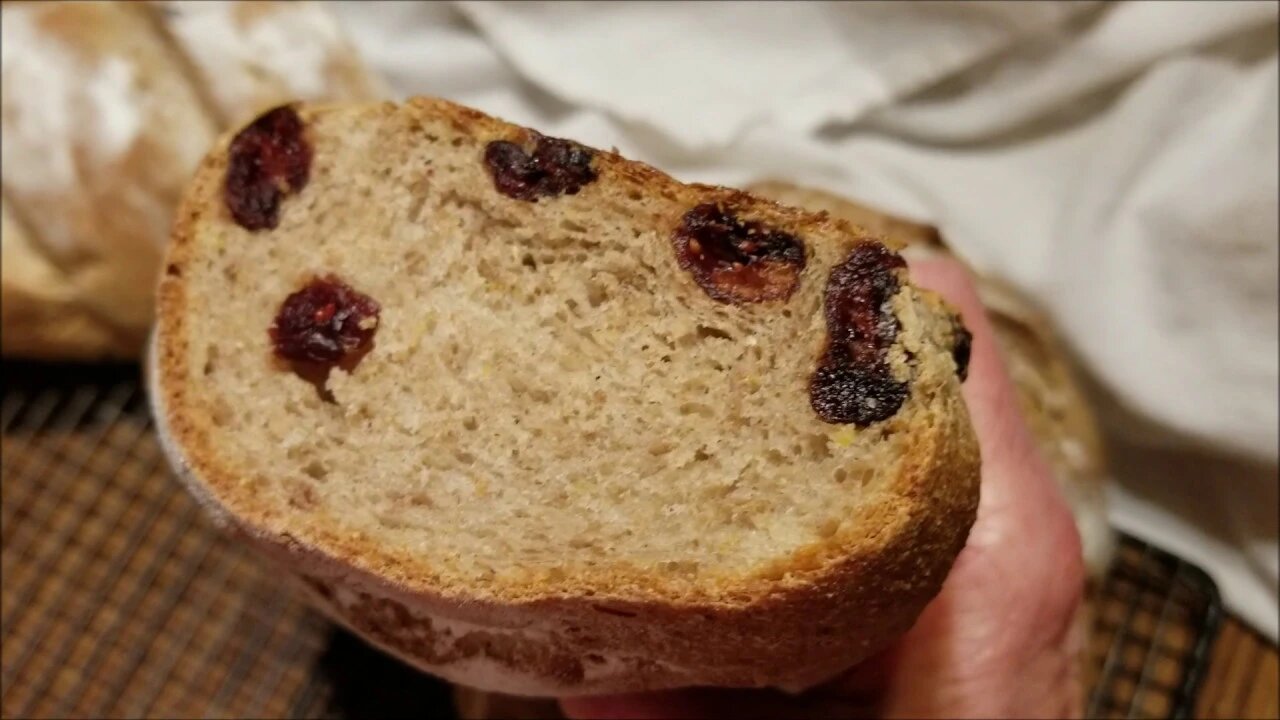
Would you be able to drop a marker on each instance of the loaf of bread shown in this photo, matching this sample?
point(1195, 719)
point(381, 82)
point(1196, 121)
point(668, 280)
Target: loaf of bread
point(99, 137)
point(39, 309)
point(1050, 395)
point(248, 56)
point(545, 421)
point(107, 109)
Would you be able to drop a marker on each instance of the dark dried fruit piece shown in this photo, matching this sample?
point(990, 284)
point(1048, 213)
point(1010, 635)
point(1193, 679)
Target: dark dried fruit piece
point(860, 325)
point(735, 260)
point(853, 383)
point(847, 393)
point(268, 159)
point(556, 167)
point(325, 324)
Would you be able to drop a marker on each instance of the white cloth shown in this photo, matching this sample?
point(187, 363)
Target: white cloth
point(1118, 162)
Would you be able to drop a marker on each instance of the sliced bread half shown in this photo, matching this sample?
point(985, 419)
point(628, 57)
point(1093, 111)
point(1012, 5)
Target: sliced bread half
point(543, 420)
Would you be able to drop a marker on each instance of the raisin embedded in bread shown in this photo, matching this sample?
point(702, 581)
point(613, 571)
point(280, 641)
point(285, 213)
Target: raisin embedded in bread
point(545, 421)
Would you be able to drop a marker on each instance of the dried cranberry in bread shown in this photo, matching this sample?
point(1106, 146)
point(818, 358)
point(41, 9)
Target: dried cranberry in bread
point(543, 420)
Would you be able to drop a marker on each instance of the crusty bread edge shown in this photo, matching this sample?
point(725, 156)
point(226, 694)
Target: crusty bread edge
point(833, 605)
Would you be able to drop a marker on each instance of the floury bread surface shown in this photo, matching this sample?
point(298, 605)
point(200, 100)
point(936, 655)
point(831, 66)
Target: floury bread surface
point(543, 420)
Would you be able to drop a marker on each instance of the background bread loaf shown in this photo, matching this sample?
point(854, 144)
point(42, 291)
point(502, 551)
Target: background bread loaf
point(248, 56)
point(100, 135)
point(107, 109)
point(40, 312)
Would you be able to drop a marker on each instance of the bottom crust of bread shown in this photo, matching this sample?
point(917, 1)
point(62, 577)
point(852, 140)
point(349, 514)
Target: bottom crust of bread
point(513, 662)
point(551, 647)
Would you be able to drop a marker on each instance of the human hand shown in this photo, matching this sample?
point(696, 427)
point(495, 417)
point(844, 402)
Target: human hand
point(1000, 640)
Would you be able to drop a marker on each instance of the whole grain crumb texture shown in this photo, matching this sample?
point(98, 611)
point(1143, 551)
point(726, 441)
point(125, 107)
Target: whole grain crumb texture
point(551, 394)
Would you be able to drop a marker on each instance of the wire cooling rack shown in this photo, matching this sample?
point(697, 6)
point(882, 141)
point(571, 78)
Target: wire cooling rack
point(119, 600)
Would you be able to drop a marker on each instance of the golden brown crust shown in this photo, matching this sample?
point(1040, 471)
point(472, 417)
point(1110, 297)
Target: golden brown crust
point(900, 230)
point(793, 624)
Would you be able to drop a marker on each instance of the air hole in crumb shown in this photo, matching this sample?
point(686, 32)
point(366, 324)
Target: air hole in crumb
point(613, 611)
point(456, 142)
point(529, 262)
point(679, 567)
point(701, 455)
point(415, 207)
point(695, 409)
point(634, 194)
point(211, 360)
point(841, 475)
point(660, 447)
point(774, 457)
point(220, 413)
point(173, 270)
point(470, 424)
point(315, 470)
point(706, 331)
point(302, 496)
point(594, 658)
point(597, 294)
point(819, 447)
point(464, 457)
point(572, 226)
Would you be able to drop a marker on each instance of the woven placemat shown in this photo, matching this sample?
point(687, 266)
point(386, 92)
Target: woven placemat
point(120, 600)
